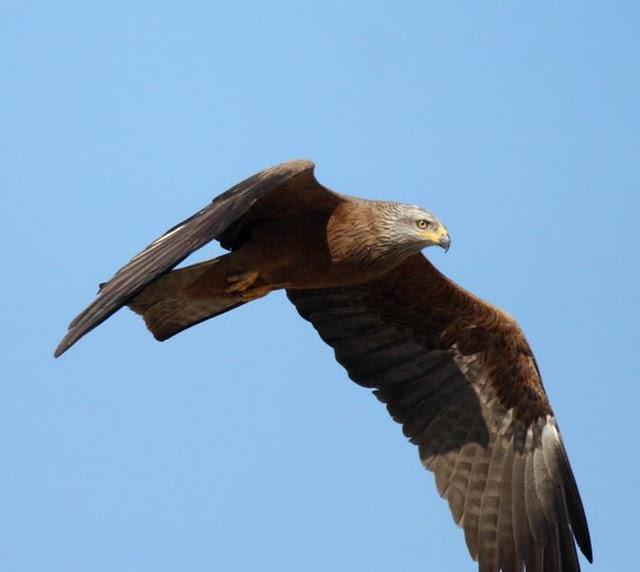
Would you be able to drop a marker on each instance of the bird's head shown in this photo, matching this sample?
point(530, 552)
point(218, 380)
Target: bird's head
point(419, 228)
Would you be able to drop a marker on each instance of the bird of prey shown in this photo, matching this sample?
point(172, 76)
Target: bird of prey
point(455, 371)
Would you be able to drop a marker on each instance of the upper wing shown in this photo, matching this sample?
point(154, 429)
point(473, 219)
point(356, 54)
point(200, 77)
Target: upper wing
point(461, 378)
point(219, 220)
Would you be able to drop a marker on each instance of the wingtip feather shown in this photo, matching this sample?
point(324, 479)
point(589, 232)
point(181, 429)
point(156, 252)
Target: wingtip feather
point(69, 339)
point(59, 350)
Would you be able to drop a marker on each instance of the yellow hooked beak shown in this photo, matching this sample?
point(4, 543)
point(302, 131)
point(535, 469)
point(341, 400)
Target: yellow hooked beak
point(438, 235)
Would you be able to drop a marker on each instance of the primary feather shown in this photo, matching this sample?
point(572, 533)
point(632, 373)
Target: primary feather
point(455, 371)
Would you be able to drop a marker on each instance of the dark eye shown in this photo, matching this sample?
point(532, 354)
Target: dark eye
point(423, 223)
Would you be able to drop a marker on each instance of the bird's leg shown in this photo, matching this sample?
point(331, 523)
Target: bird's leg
point(244, 284)
point(241, 281)
point(226, 277)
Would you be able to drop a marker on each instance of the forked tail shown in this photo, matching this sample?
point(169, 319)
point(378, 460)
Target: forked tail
point(168, 307)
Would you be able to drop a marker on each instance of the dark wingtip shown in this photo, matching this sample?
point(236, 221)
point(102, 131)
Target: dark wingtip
point(585, 546)
point(577, 516)
point(63, 346)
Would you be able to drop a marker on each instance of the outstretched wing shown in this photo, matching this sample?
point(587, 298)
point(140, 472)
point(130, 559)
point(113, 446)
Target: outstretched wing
point(459, 376)
point(219, 220)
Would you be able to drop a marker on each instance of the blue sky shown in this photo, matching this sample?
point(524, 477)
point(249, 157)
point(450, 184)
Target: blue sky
point(240, 444)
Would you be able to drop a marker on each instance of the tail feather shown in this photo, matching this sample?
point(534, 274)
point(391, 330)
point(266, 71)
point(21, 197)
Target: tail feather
point(167, 307)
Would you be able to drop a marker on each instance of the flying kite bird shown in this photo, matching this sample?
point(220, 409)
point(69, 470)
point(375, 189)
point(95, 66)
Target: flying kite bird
point(455, 371)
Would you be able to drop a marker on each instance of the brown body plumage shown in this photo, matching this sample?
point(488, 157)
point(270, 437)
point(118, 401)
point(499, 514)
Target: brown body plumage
point(456, 372)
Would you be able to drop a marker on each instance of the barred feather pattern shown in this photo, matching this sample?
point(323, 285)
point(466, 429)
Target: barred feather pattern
point(508, 482)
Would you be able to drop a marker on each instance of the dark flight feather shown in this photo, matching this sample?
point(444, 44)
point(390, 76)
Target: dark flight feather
point(460, 377)
point(164, 253)
point(454, 371)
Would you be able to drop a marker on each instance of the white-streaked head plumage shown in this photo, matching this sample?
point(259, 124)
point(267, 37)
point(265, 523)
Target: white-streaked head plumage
point(415, 228)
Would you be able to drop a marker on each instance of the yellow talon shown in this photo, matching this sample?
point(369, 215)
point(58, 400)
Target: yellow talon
point(255, 293)
point(241, 282)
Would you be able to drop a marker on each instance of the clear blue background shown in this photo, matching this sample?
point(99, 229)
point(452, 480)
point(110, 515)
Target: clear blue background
point(241, 445)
